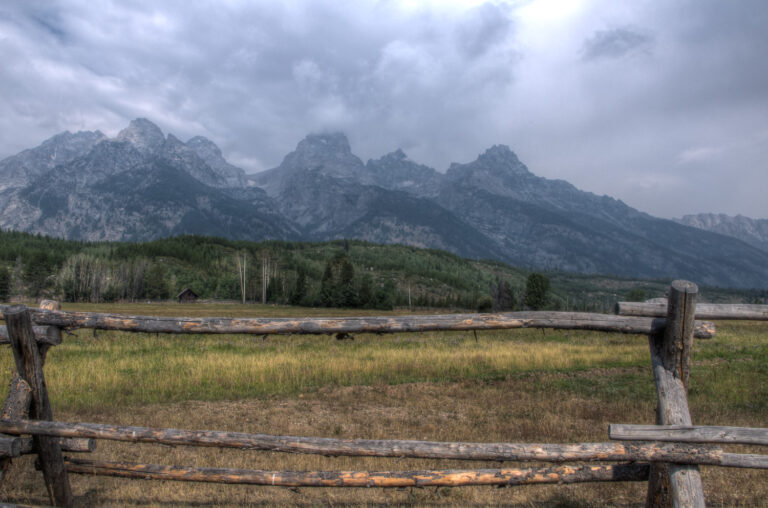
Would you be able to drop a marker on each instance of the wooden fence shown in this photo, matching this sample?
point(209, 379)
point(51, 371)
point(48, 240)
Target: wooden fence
point(666, 455)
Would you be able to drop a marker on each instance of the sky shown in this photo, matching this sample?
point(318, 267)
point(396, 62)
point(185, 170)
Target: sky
point(661, 104)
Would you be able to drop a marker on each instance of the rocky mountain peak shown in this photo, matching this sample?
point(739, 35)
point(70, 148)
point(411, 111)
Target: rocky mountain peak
point(497, 167)
point(398, 155)
point(145, 136)
point(20, 169)
point(330, 143)
point(205, 148)
point(502, 158)
point(208, 151)
point(746, 229)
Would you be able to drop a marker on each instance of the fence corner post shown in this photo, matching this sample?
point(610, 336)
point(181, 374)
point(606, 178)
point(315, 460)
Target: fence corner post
point(674, 484)
point(29, 364)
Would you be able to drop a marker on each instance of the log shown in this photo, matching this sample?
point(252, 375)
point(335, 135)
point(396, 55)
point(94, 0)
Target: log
point(67, 444)
point(674, 483)
point(53, 332)
point(745, 460)
point(10, 446)
point(29, 364)
point(544, 452)
point(689, 434)
point(703, 310)
point(352, 325)
point(19, 398)
point(16, 407)
point(444, 478)
point(43, 335)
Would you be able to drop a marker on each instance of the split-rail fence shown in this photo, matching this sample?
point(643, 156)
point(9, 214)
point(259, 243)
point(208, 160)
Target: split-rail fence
point(666, 455)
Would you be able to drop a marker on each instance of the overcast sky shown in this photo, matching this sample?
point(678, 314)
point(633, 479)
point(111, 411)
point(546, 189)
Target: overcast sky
point(661, 104)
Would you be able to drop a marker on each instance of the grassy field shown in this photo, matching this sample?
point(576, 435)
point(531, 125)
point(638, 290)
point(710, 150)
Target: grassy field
point(516, 386)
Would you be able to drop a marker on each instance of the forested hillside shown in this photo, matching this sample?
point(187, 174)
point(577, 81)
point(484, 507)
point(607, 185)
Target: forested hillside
point(342, 273)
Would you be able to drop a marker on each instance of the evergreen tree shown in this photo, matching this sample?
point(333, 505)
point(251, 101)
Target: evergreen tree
point(300, 289)
point(503, 295)
point(536, 289)
point(365, 294)
point(36, 272)
point(384, 298)
point(156, 283)
point(327, 286)
point(347, 291)
point(5, 284)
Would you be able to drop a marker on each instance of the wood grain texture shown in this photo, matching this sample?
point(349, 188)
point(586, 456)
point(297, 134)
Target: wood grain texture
point(444, 478)
point(723, 311)
point(545, 452)
point(18, 400)
point(67, 444)
point(351, 325)
point(16, 407)
point(673, 483)
point(43, 335)
point(29, 364)
point(689, 434)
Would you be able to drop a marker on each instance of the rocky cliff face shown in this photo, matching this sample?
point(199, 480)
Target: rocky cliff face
point(143, 184)
point(138, 186)
point(751, 231)
point(20, 169)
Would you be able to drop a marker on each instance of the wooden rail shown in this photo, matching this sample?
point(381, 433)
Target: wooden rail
point(397, 479)
point(517, 452)
point(703, 310)
point(371, 324)
point(689, 434)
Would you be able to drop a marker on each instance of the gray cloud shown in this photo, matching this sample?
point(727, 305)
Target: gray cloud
point(615, 43)
point(662, 104)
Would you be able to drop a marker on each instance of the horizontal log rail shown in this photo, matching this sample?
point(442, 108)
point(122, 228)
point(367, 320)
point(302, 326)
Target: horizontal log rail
point(370, 324)
point(43, 335)
point(703, 310)
point(440, 478)
point(689, 434)
point(10, 446)
point(544, 452)
point(67, 444)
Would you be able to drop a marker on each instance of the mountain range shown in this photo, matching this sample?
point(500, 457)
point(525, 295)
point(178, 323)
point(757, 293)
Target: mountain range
point(142, 185)
point(751, 231)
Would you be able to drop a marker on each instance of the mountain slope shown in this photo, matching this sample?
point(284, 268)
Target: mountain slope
point(140, 185)
point(751, 231)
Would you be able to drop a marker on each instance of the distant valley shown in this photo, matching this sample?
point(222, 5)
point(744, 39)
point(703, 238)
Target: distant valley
point(143, 185)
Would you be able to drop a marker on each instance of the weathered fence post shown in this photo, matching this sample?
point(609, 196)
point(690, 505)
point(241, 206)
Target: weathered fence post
point(29, 364)
point(674, 484)
point(53, 333)
point(16, 407)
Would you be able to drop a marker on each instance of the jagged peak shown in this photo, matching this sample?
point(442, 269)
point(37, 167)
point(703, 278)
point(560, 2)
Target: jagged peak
point(501, 153)
point(68, 135)
point(201, 144)
point(398, 154)
point(142, 134)
point(330, 141)
point(174, 140)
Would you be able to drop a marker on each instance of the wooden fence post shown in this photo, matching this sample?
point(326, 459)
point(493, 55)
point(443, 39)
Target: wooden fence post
point(29, 364)
point(16, 407)
point(674, 484)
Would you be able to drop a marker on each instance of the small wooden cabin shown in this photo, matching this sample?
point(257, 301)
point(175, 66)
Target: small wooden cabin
point(187, 296)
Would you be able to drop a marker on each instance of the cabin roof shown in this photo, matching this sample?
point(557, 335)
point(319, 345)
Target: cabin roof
point(186, 291)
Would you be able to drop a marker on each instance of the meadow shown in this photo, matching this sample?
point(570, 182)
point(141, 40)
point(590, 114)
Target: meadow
point(514, 386)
